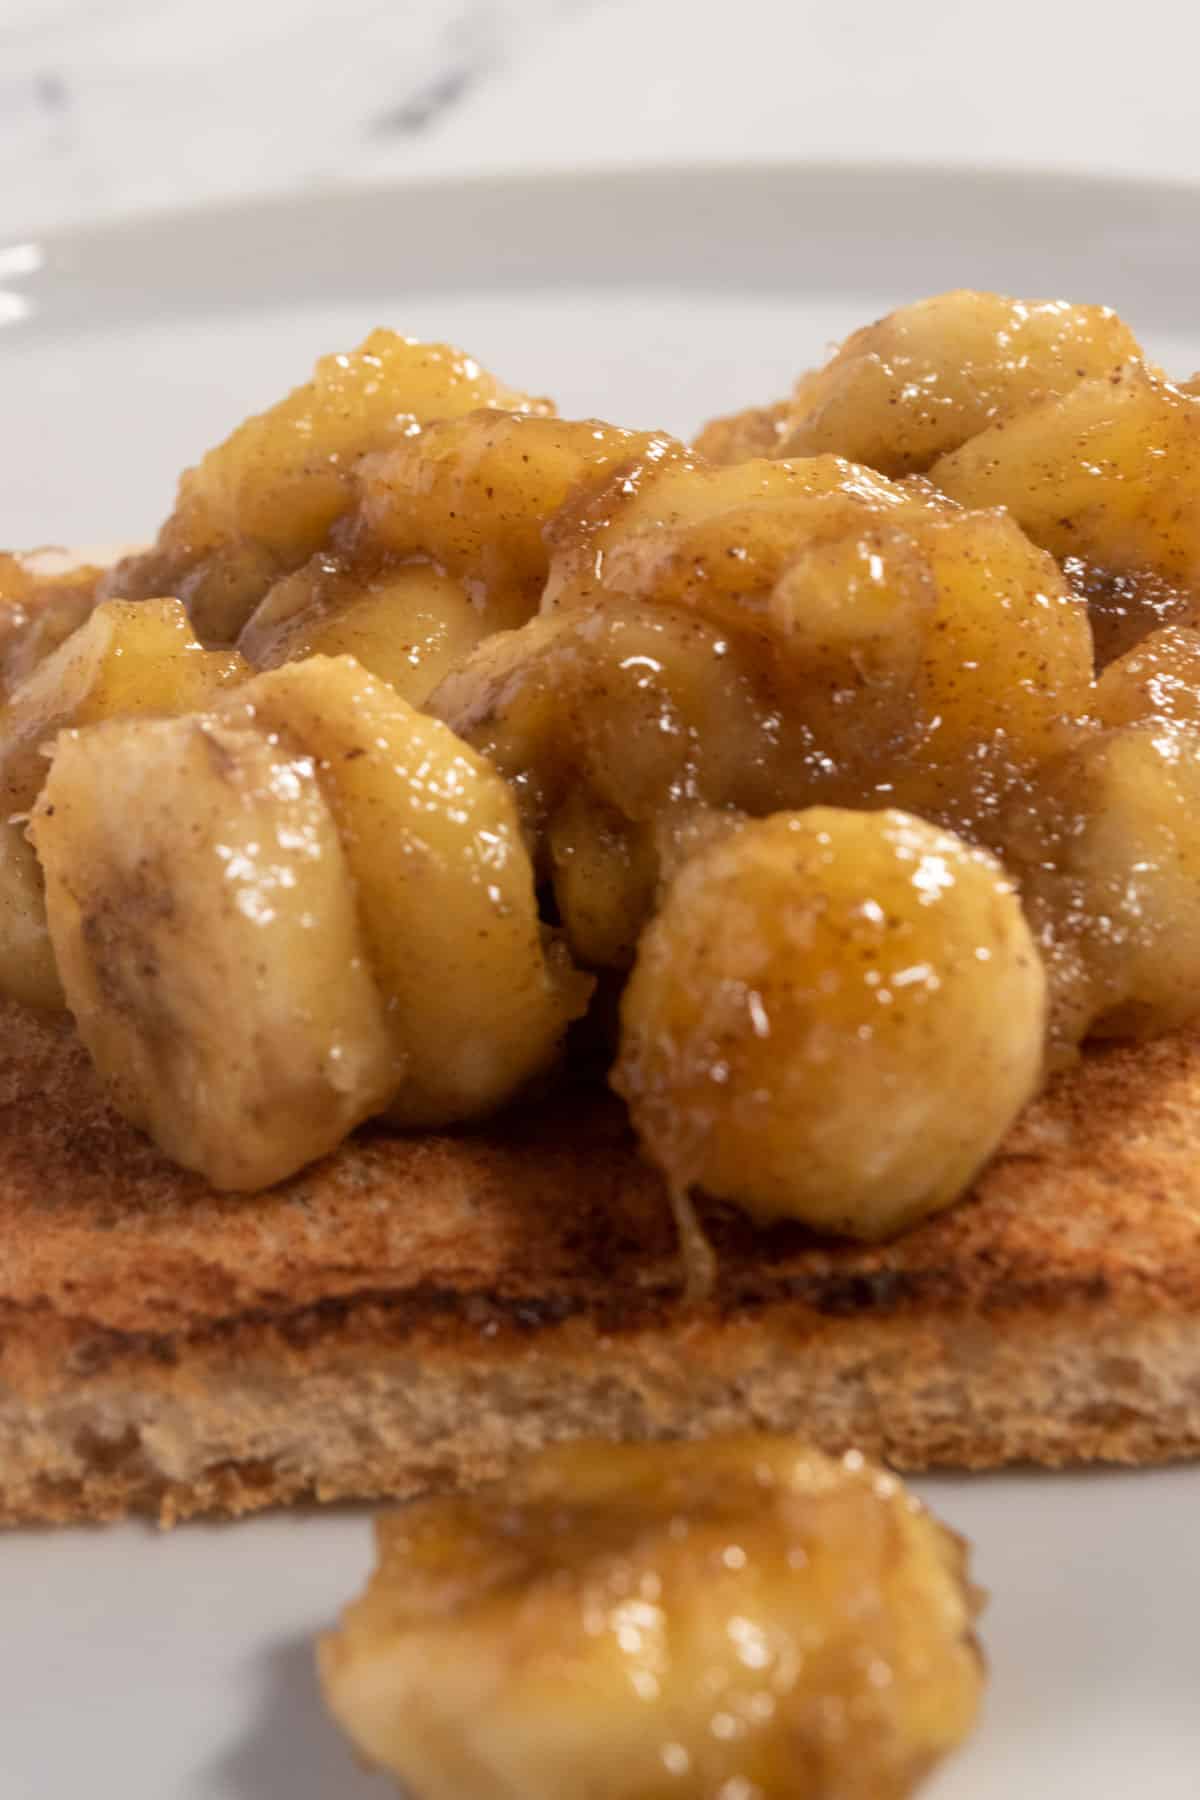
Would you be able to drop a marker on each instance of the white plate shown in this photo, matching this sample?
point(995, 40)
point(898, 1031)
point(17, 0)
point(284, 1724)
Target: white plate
point(153, 1667)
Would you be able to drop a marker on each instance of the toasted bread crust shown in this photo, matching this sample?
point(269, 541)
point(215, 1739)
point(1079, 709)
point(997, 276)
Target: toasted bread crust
point(413, 1311)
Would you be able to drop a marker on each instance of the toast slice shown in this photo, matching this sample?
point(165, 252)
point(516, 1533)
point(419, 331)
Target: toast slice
point(413, 1311)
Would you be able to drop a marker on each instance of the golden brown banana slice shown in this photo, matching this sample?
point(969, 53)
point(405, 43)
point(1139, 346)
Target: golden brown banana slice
point(935, 650)
point(762, 637)
point(674, 528)
point(124, 660)
point(610, 723)
point(1106, 478)
point(1107, 851)
point(1158, 679)
point(44, 596)
point(742, 1619)
point(476, 1000)
point(205, 930)
point(475, 494)
point(410, 624)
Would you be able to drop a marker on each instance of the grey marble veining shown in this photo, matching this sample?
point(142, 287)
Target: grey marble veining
point(150, 103)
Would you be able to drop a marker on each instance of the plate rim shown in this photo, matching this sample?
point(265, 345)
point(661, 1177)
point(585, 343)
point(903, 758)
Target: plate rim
point(294, 202)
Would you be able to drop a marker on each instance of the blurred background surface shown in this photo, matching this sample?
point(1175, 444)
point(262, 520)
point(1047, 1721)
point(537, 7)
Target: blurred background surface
point(114, 107)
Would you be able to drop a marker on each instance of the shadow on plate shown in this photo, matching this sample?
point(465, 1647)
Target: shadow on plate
point(291, 1750)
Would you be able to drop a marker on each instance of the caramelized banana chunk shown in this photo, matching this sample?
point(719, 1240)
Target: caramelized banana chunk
point(263, 502)
point(1107, 478)
point(902, 392)
point(768, 636)
point(124, 660)
point(1107, 850)
point(834, 1018)
point(929, 653)
point(475, 494)
point(743, 1617)
point(204, 926)
point(408, 623)
point(610, 724)
point(1159, 679)
point(671, 527)
point(45, 595)
point(477, 997)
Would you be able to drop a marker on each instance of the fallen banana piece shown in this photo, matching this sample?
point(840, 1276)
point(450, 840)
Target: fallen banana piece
point(740, 1619)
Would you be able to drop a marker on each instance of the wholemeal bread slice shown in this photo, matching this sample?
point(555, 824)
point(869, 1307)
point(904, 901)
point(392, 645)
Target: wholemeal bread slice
point(413, 1311)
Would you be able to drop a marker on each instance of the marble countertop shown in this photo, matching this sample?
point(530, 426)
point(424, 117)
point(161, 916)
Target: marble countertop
point(111, 108)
